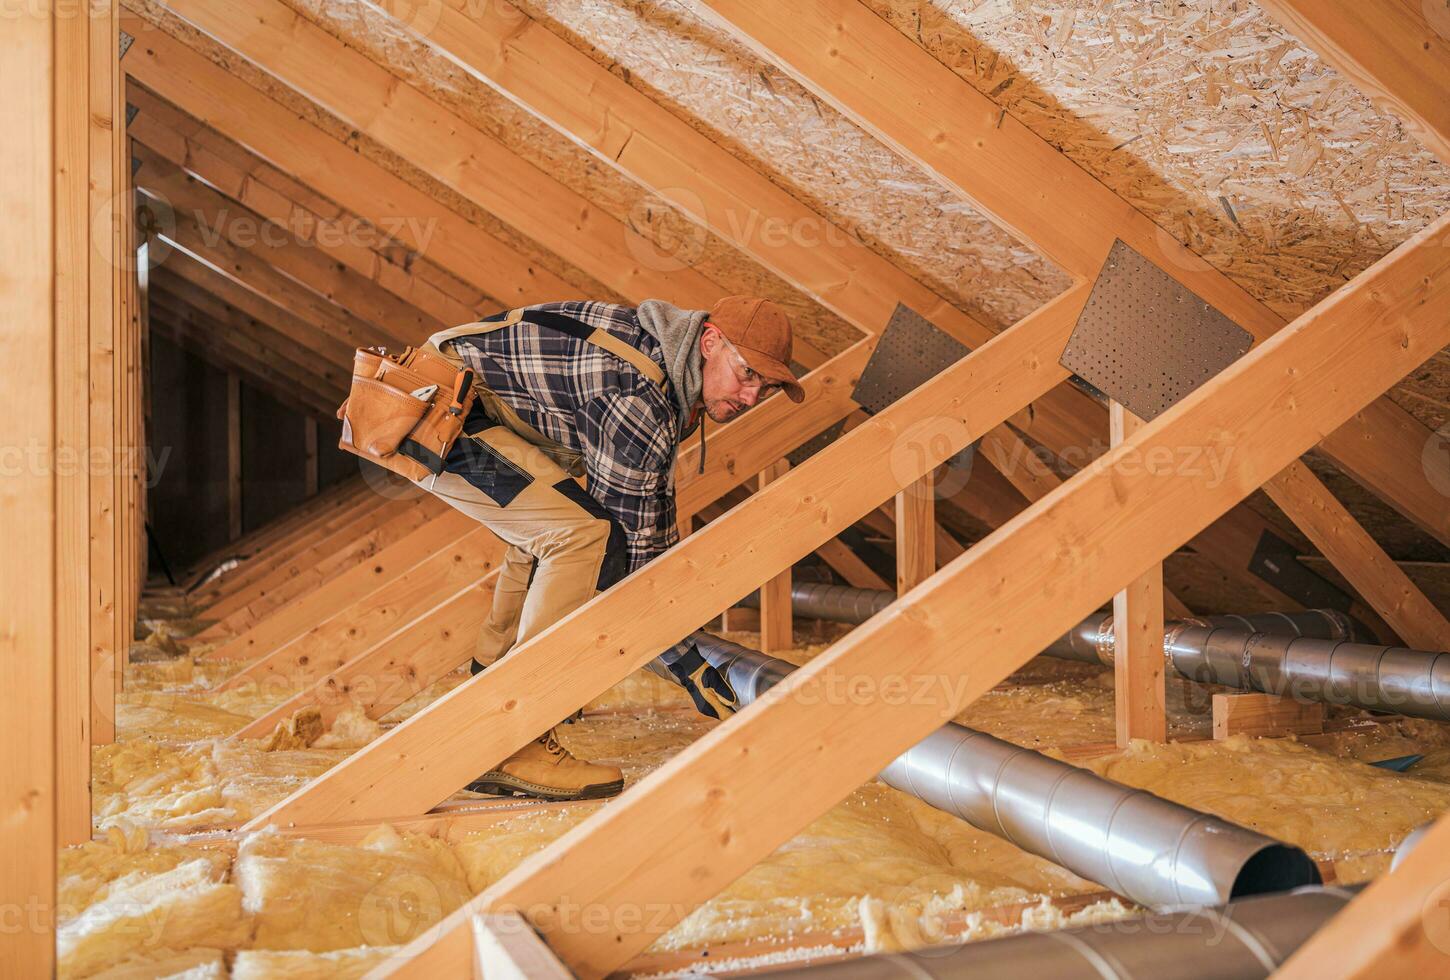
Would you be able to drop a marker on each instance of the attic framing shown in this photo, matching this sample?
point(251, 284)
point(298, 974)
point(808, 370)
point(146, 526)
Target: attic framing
point(368, 598)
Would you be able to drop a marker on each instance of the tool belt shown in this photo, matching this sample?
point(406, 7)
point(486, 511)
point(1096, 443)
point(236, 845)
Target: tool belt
point(404, 411)
point(383, 419)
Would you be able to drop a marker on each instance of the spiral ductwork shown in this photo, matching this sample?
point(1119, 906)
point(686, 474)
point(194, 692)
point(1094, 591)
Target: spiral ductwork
point(1145, 848)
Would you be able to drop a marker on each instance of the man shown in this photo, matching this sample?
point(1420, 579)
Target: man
point(608, 393)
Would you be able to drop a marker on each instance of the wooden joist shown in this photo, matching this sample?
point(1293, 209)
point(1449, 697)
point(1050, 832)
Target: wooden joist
point(846, 55)
point(428, 757)
point(695, 824)
point(332, 615)
point(777, 622)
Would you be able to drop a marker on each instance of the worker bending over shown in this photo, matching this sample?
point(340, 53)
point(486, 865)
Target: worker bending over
point(606, 392)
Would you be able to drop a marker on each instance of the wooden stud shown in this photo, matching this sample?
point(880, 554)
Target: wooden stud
point(777, 630)
point(1139, 696)
point(756, 780)
point(1259, 714)
point(915, 534)
point(35, 119)
point(856, 62)
point(106, 140)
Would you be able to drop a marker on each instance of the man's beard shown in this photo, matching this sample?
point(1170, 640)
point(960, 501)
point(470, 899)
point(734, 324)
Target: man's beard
point(722, 411)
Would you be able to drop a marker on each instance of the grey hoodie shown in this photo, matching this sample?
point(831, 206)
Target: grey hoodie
point(678, 332)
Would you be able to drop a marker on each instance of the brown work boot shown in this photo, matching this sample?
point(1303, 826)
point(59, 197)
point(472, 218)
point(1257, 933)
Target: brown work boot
point(545, 769)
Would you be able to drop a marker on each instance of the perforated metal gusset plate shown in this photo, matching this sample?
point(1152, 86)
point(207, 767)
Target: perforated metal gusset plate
point(1145, 340)
point(911, 351)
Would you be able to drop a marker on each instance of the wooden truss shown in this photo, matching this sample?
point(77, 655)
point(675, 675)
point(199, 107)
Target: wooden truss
point(367, 598)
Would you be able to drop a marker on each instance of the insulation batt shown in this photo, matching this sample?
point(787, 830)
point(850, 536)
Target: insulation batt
point(879, 866)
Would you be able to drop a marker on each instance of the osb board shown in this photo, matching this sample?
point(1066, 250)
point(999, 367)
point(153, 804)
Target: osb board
point(770, 122)
point(1217, 123)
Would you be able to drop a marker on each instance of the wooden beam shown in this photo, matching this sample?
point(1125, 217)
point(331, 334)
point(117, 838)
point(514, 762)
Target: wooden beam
point(240, 112)
point(213, 348)
point(329, 375)
point(702, 575)
point(1140, 701)
point(850, 58)
point(339, 554)
point(349, 239)
point(694, 825)
point(1350, 549)
point(1396, 927)
point(1396, 52)
point(276, 246)
point(254, 344)
point(847, 564)
point(365, 95)
point(248, 270)
point(183, 268)
point(234, 456)
point(777, 625)
point(915, 534)
point(33, 47)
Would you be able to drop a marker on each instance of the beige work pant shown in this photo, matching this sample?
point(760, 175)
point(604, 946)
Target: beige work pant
point(558, 537)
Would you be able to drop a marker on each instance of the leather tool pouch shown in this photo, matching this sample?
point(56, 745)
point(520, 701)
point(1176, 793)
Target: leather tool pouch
point(404, 411)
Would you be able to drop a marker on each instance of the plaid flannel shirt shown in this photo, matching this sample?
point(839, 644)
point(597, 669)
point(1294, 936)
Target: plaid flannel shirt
point(591, 401)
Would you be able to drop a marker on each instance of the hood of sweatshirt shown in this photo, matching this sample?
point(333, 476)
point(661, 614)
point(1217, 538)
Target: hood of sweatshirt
point(678, 332)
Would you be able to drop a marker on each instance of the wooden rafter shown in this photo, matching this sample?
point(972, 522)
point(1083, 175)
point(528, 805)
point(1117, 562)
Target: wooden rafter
point(846, 55)
point(1390, 50)
point(247, 179)
point(568, 90)
point(446, 146)
point(703, 818)
point(197, 306)
point(275, 244)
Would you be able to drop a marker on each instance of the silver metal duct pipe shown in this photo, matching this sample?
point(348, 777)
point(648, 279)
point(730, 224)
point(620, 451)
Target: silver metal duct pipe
point(837, 603)
point(1143, 847)
point(1315, 662)
point(1245, 940)
point(1092, 641)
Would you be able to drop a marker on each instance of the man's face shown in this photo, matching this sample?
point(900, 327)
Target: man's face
point(730, 386)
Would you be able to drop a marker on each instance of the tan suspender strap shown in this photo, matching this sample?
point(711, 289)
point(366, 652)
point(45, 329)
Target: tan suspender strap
point(600, 338)
point(642, 362)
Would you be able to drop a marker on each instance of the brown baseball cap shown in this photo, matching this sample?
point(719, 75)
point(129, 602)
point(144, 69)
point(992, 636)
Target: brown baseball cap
point(760, 331)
